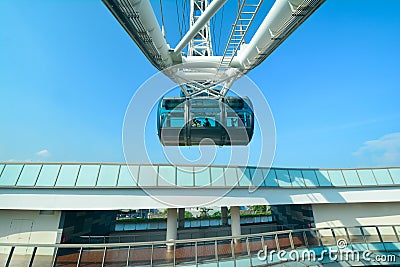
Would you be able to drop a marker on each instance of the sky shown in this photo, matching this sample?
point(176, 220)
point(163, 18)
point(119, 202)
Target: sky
point(68, 71)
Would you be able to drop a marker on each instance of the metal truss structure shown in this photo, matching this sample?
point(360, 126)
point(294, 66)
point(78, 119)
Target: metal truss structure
point(204, 73)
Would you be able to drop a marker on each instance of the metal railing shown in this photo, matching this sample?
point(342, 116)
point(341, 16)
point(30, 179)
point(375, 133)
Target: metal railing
point(183, 234)
point(189, 223)
point(238, 250)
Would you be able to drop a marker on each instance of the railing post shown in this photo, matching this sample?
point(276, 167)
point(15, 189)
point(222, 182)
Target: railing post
point(79, 257)
point(10, 256)
point(32, 257)
point(216, 250)
point(152, 254)
point(196, 253)
point(104, 256)
point(53, 264)
point(127, 256)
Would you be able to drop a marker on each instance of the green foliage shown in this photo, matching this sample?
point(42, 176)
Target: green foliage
point(188, 215)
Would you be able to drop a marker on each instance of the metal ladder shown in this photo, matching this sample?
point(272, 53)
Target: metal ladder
point(246, 14)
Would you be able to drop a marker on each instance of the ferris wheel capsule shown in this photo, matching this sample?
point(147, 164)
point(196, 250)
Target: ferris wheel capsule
point(205, 121)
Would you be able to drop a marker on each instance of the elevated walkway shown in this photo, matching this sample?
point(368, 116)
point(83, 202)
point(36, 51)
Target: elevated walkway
point(381, 242)
point(111, 186)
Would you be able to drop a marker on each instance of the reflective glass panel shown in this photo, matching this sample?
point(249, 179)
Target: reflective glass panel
point(244, 176)
point(387, 233)
point(366, 177)
point(356, 235)
point(202, 176)
point(29, 175)
point(125, 177)
point(10, 174)
point(1, 168)
point(67, 175)
point(310, 178)
point(395, 174)
point(298, 240)
point(382, 176)
point(231, 177)
point(148, 176)
point(327, 237)
point(313, 238)
point(270, 177)
point(43, 257)
point(108, 175)
point(257, 176)
point(48, 175)
point(371, 234)
point(184, 176)
point(296, 177)
point(217, 176)
point(336, 178)
point(351, 177)
point(284, 241)
point(283, 177)
point(323, 178)
point(88, 175)
point(340, 233)
point(166, 176)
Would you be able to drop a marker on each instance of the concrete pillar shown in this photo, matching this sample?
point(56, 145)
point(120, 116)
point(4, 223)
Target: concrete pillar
point(172, 232)
point(181, 218)
point(235, 221)
point(224, 215)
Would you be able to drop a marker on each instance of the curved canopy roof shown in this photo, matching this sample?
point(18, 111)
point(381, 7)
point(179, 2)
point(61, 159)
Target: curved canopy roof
point(115, 175)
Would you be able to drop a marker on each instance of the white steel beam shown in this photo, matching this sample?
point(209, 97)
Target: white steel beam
point(282, 19)
point(200, 23)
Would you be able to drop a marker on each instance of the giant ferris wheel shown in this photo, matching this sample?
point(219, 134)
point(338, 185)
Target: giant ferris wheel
point(204, 110)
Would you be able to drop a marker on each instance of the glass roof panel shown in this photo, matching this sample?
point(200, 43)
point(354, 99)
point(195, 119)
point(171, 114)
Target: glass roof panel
point(382, 176)
point(29, 175)
point(10, 174)
point(297, 178)
point(270, 179)
point(108, 175)
point(351, 177)
point(257, 176)
point(310, 178)
point(68, 175)
point(337, 178)
point(217, 176)
point(366, 177)
point(166, 176)
point(231, 177)
point(283, 177)
point(184, 176)
point(127, 175)
point(88, 175)
point(48, 175)
point(323, 178)
point(148, 176)
point(395, 174)
point(202, 176)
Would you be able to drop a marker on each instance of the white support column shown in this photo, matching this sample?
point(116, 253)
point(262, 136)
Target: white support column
point(224, 215)
point(172, 232)
point(235, 221)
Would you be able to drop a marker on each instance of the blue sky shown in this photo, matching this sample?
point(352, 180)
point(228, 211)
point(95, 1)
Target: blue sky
point(68, 71)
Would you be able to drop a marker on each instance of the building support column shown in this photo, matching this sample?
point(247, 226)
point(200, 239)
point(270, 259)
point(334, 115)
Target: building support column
point(181, 218)
point(172, 231)
point(235, 221)
point(224, 216)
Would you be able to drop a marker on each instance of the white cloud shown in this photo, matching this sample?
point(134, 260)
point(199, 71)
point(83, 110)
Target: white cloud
point(43, 153)
point(384, 150)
